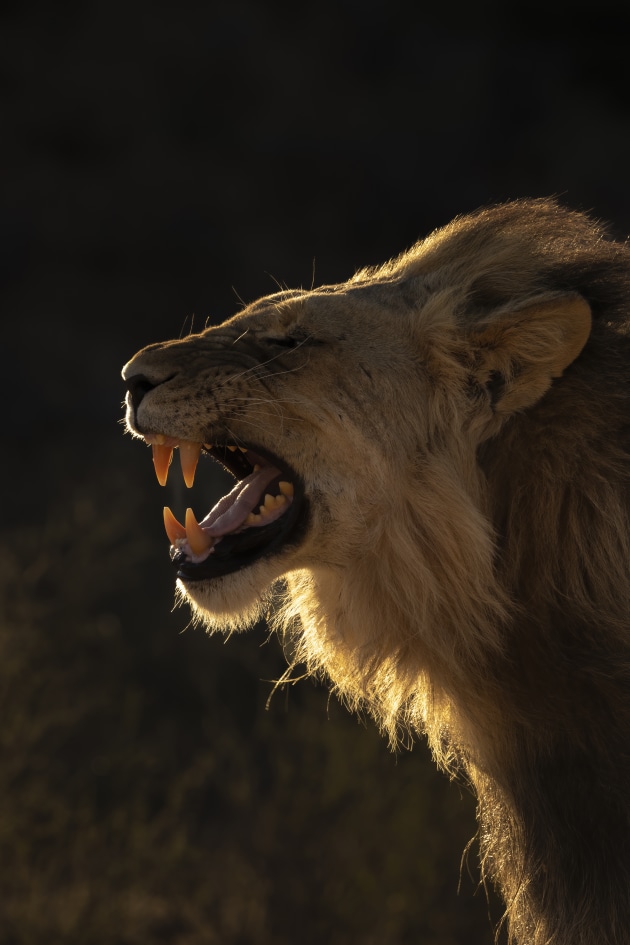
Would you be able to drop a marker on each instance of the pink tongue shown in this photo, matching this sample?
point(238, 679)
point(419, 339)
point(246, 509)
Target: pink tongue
point(231, 511)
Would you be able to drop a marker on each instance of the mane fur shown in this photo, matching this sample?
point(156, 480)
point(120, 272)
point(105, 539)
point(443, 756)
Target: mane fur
point(517, 571)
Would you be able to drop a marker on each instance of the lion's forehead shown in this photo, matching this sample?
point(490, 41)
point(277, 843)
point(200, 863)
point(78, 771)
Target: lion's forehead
point(357, 308)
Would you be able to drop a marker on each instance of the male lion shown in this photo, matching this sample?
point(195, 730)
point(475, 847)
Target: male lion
point(435, 457)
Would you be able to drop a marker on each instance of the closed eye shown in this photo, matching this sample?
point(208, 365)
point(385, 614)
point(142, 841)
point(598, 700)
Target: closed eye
point(298, 340)
point(286, 341)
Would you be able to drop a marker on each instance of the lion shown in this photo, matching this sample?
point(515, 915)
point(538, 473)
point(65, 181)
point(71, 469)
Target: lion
point(433, 459)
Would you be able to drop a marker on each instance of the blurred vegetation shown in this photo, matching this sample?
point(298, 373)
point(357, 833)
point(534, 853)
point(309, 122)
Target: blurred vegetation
point(160, 163)
point(149, 797)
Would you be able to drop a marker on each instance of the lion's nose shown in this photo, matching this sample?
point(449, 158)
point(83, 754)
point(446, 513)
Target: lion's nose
point(138, 386)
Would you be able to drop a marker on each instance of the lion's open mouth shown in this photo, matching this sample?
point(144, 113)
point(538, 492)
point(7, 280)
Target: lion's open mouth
point(252, 520)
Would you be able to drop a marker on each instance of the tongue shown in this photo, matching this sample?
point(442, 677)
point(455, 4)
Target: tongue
point(231, 511)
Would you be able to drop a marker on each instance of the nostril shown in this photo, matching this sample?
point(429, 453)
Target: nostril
point(138, 386)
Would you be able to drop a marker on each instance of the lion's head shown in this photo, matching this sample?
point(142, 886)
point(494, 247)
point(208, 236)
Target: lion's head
point(351, 417)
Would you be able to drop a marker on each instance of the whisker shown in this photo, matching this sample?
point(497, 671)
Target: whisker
point(239, 297)
point(256, 424)
point(283, 287)
point(262, 377)
point(192, 321)
point(256, 400)
point(240, 336)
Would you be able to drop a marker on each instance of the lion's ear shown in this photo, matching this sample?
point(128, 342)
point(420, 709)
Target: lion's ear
point(519, 352)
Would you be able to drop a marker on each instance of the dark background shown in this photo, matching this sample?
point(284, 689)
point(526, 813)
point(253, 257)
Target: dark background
point(159, 164)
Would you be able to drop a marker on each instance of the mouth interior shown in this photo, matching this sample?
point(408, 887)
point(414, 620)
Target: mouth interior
point(260, 496)
point(253, 519)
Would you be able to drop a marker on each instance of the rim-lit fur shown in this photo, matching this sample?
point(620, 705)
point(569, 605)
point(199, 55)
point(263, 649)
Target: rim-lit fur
point(461, 427)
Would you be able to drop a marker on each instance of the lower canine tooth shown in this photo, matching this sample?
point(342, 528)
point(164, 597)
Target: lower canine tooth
point(174, 529)
point(162, 456)
point(198, 539)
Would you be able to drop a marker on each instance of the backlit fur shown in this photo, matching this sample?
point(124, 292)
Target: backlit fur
point(460, 420)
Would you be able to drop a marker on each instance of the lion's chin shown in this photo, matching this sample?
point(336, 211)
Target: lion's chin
point(233, 601)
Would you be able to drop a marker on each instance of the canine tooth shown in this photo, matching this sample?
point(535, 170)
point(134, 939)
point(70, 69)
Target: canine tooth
point(162, 456)
point(286, 488)
point(243, 449)
point(189, 457)
point(232, 449)
point(174, 529)
point(198, 540)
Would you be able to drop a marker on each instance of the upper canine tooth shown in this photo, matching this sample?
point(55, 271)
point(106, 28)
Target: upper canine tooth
point(198, 539)
point(189, 457)
point(232, 449)
point(286, 488)
point(162, 456)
